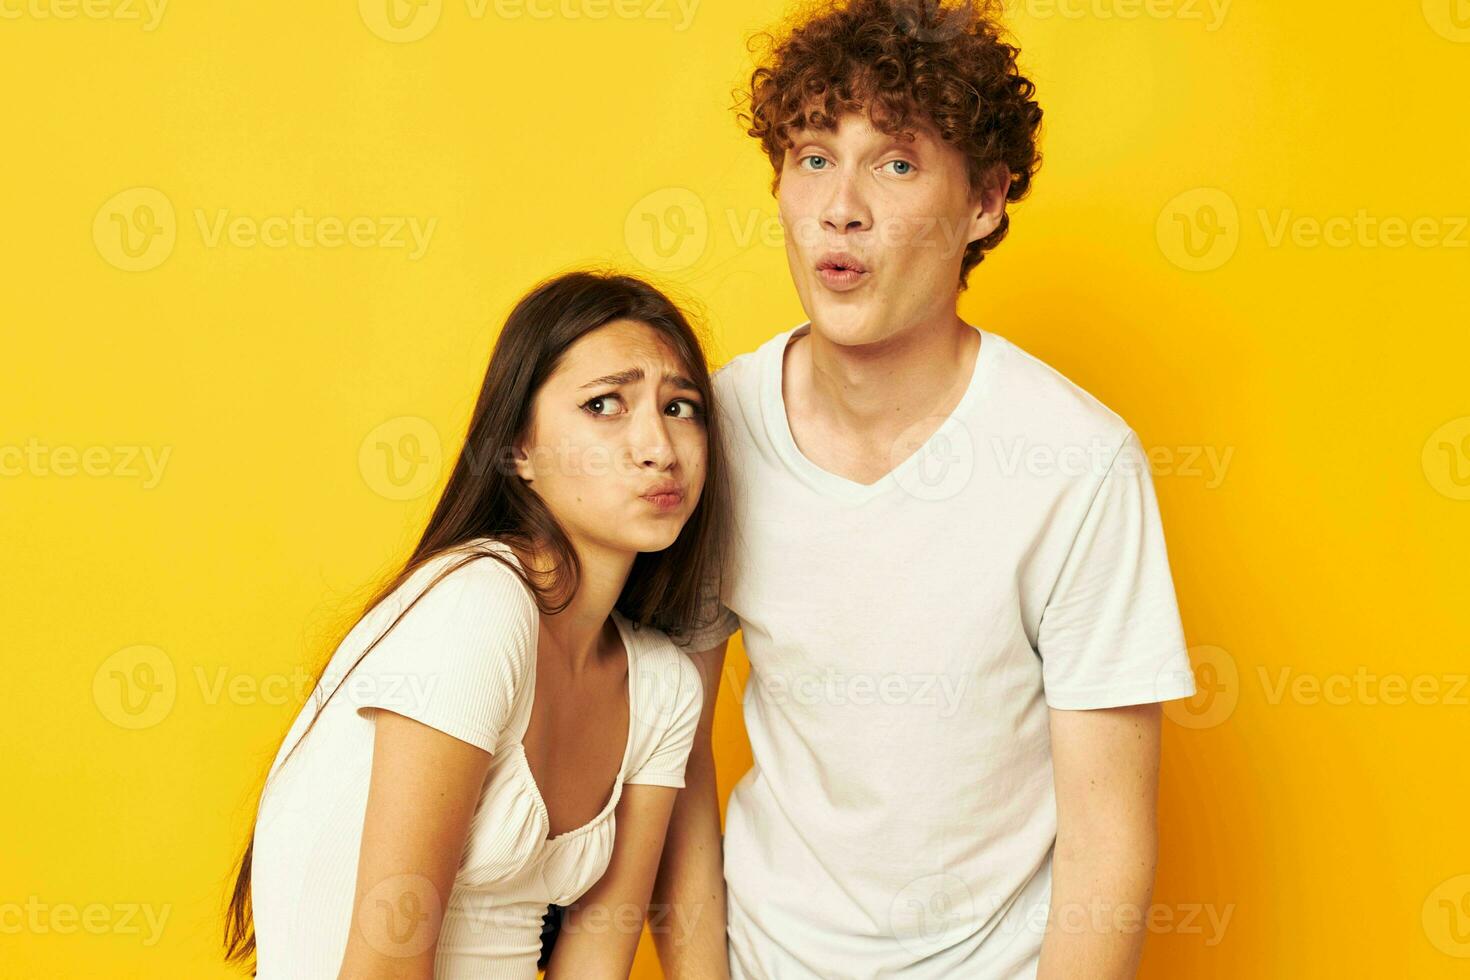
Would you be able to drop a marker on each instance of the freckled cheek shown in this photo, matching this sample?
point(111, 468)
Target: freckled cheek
point(923, 253)
point(801, 228)
point(576, 465)
point(693, 453)
point(604, 465)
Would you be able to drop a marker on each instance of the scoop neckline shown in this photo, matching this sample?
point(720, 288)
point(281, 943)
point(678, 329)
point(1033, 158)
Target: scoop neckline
point(625, 634)
point(617, 791)
point(827, 482)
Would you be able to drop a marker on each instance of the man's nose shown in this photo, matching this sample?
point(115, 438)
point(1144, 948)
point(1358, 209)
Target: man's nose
point(845, 209)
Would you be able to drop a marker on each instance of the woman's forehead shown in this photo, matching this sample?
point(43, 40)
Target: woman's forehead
point(621, 352)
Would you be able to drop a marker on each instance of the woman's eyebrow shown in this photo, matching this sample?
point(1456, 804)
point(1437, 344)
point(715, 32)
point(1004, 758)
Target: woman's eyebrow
point(630, 375)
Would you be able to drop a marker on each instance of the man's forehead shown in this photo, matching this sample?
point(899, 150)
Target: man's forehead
point(857, 126)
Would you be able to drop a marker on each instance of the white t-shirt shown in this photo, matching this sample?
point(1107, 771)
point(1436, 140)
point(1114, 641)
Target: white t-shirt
point(905, 640)
point(462, 660)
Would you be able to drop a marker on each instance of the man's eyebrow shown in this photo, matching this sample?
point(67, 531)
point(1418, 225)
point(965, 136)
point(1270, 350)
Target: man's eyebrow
point(630, 375)
point(884, 142)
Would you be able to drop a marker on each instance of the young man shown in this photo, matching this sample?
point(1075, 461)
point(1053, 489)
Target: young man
point(949, 565)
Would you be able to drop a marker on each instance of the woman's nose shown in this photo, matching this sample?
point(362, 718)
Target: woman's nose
point(653, 446)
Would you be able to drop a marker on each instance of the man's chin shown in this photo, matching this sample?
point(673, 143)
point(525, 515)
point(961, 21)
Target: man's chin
point(846, 323)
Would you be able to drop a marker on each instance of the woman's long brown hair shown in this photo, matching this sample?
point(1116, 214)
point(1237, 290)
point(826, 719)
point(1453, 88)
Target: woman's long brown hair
point(485, 497)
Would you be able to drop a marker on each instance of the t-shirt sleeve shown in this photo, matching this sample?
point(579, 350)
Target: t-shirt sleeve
point(715, 620)
point(676, 719)
point(457, 658)
point(1110, 633)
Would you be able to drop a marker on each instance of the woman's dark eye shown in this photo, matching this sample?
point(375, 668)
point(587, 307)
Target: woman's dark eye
point(695, 409)
point(593, 406)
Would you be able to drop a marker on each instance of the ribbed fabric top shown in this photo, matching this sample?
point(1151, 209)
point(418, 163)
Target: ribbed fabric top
point(462, 660)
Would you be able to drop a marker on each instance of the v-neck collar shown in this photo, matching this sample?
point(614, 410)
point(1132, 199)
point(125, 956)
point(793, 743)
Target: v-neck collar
point(778, 424)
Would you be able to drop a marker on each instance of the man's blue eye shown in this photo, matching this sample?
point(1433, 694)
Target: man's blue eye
point(814, 157)
point(902, 163)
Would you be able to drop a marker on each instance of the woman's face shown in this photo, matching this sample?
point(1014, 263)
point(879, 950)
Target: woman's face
point(617, 422)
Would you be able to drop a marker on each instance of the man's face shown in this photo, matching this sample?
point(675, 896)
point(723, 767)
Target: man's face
point(902, 209)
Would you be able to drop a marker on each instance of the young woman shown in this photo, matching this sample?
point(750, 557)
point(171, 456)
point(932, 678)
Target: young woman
point(506, 727)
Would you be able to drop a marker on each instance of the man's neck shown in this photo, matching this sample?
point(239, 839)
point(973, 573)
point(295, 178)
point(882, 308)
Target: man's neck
point(882, 388)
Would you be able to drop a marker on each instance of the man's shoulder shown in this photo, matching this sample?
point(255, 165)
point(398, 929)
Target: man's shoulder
point(737, 386)
point(1042, 398)
point(739, 370)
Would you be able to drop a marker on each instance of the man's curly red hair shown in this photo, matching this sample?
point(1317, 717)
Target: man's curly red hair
point(944, 64)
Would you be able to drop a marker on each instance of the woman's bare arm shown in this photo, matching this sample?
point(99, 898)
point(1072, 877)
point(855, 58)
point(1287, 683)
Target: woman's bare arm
point(424, 789)
point(600, 931)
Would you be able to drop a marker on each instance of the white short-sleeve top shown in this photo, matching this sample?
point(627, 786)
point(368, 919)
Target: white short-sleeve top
point(462, 660)
point(908, 639)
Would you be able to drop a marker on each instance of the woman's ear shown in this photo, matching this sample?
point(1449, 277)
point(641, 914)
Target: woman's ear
point(522, 461)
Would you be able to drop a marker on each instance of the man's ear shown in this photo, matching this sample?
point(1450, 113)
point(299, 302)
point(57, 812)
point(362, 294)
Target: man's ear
point(987, 210)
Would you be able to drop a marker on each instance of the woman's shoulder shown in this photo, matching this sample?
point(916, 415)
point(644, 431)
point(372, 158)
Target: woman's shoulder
point(454, 647)
point(462, 609)
point(667, 679)
point(666, 704)
point(485, 571)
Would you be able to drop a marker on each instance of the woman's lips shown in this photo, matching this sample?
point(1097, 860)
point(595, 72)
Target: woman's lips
point(664, 501)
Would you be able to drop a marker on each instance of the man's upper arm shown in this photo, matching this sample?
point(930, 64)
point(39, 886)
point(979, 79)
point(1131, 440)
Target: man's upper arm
point(423, 791)
point(1105, 765)
point(711, 664)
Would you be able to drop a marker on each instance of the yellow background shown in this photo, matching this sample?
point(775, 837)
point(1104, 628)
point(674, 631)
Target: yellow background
point(1166, 262)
